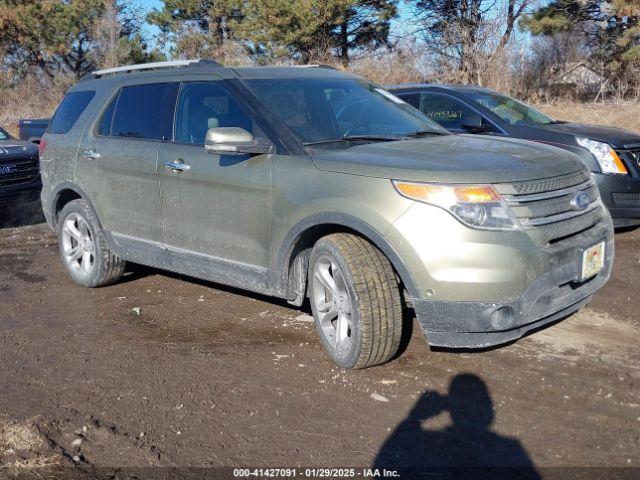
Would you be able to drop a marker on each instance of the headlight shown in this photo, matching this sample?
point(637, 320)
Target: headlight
point(478, 206)
point(607, 159)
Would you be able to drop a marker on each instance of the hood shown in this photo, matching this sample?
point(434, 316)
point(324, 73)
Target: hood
point(12, 148)
point(451, 159)
point(616, 137)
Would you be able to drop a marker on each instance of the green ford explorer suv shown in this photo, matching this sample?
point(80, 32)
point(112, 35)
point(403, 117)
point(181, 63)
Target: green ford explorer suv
point(309, 182)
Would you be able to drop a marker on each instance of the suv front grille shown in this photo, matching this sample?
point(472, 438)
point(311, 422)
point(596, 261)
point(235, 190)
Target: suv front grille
point(548, 204)
point(630, 153)
point(636, 155)
point(26, 170)
point(549, 184)
point(626, 199)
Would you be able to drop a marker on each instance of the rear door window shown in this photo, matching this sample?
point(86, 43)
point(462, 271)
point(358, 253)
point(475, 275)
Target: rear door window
point(69, 111)
point(142, 111)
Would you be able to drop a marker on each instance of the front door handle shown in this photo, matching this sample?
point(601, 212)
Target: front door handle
point(178, 166)
point(91, 154)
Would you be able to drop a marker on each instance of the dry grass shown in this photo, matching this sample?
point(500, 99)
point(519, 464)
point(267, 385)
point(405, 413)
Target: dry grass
point(19, 437)
point(623, 114)
point(29, 99)
point(23, 447)
point(39, 463)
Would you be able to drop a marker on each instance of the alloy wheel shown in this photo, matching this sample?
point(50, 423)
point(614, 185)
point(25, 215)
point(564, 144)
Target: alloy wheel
point(78, 245)
point(333, 303)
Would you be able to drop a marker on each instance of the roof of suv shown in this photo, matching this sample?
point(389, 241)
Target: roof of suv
point(182, 68)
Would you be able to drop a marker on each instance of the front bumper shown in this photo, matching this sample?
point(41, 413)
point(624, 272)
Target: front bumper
point(553, 294)
point(621, 195)
point(21, 194)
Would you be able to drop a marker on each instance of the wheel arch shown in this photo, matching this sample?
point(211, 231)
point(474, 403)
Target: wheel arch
point(293, 255)
point(63, 194)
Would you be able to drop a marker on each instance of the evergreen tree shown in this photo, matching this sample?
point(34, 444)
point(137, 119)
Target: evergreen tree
point(316, 29)
point(66, 35)
point(610, 29)
point(303, 30)
point(197, 28)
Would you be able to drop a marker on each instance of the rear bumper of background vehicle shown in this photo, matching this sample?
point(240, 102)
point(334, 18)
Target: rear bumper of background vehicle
point(621, 195)
point(551, 297)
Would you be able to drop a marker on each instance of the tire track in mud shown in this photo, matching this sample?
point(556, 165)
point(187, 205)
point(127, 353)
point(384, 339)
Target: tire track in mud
point(588, 336)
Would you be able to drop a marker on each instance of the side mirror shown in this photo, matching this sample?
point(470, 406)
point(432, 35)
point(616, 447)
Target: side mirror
point(234, 141)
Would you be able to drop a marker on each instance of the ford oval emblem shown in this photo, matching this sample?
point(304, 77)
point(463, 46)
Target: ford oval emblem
point(580, 201)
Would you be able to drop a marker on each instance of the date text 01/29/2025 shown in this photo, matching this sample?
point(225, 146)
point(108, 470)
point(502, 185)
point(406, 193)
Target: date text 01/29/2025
point(314, 473)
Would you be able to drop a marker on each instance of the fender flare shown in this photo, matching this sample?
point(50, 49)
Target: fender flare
point(283, 258)
point(56, 193)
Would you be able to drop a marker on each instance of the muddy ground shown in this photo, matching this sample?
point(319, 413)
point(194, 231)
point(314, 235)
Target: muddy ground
point(161, 370)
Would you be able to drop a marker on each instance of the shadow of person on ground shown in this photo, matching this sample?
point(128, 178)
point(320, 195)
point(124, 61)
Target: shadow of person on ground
point(465, 448)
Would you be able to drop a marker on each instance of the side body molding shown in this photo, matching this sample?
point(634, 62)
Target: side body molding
point(279, 280)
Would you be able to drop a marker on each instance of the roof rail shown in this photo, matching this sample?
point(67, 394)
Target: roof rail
point(150, 66)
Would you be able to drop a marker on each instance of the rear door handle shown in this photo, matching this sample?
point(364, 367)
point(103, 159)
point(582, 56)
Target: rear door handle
point(92, 154)
point(178, 166)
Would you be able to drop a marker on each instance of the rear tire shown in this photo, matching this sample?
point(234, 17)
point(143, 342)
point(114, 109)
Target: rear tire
point(83, 247)
point(355, 300)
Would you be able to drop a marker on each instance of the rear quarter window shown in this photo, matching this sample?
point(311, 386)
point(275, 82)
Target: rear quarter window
point(69, 111)
point(104, 125)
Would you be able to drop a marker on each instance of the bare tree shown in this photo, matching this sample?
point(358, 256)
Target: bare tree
point(466, 39)
point(115, 35)
point(107, 32)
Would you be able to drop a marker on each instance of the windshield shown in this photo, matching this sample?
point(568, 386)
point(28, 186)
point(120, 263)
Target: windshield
point(509, 109)
point(320, 110)
point(4, 135)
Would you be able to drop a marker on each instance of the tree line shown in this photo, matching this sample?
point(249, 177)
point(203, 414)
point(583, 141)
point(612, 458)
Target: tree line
point(460, 41)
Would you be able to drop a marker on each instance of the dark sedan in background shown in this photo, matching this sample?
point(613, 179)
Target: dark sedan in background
point(612, 154)
point(20, 182)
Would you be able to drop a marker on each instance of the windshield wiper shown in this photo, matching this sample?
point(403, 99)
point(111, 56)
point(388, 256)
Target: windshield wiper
point(352, 138)
point(375, 138)
point(423, 133)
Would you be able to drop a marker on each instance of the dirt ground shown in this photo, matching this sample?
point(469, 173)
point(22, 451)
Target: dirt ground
point(160, 370)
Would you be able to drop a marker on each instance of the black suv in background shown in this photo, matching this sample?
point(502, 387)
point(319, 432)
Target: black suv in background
point(20, 182)
point(612, 154)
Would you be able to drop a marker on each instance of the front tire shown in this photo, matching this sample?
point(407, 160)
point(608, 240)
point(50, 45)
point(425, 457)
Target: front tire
point(355, 300)
point(83, 247)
